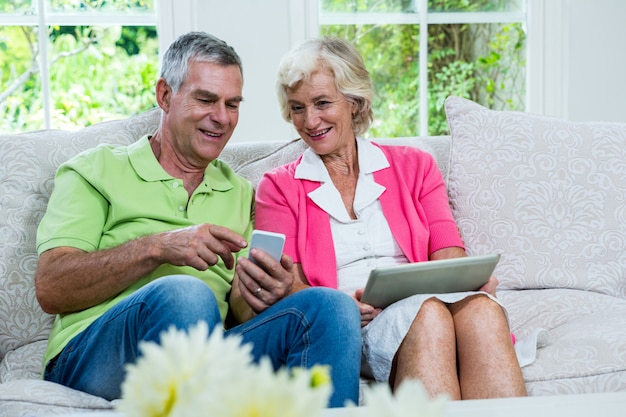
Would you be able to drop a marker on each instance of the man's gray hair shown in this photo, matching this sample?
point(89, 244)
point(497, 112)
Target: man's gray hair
point(198, 47)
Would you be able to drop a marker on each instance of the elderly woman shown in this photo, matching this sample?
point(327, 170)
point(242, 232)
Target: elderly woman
point(348, 205)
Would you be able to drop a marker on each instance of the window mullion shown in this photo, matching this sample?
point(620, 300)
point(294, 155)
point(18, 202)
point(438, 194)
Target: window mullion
point(101, 19)
point(423, 68)
point(43, 63)
point(475, 17)
point(370, 18)
point(18, 20)
point(402, 18)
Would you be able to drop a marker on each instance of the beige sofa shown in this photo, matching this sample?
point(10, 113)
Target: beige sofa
point(549, 195)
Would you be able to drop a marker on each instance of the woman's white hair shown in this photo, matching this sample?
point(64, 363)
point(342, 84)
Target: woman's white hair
point(345, 63)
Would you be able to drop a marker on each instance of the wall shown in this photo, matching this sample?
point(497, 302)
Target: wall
point(596, 83)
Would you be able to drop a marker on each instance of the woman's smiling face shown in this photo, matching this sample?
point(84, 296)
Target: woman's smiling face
point(321, 114)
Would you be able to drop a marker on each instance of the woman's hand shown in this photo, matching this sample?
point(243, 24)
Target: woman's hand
point(454, 252)
point(368, 312)
point(491, 286)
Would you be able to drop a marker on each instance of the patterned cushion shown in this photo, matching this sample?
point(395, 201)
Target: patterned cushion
point(251, 160)
point(586, 351)
point(43, 398)
point(546, 193)
point(29, 162)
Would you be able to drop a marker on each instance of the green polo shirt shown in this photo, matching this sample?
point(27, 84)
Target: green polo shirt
point(109, 195)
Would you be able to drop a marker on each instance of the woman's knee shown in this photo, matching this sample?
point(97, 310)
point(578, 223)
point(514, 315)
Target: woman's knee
point(432, 322)
point(480, 313)
point(480, 305)
point(434, 312)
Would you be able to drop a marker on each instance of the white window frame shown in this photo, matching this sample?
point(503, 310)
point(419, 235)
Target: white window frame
point(44, 18)
point(548, 55)
point(547, 43)
point(423, 18)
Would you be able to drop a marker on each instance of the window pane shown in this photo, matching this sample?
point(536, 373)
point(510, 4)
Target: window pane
point(101, 73)
point(96, 74)
point(476, 5)
point(394, 72)
point(86, 6)
point(343, 6)
point(20, 6)
point(20, 81)
point(96, 71)
point(483, 62)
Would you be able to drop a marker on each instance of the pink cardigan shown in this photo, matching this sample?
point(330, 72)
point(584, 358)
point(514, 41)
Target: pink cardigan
point(415, 204)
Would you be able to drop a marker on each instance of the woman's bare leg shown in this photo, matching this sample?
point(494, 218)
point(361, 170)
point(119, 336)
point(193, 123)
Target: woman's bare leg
point(488, 366)
point(428, 352)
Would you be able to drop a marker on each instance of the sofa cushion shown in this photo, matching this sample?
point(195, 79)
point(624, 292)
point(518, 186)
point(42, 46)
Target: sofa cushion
point(546, 193)
point(23, 363)
point(252, 159)
point(43, 398)
point(586, 349)
point(437, 146)
point(29, 162)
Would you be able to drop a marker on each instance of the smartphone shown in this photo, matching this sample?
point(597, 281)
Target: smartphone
point(269, 242)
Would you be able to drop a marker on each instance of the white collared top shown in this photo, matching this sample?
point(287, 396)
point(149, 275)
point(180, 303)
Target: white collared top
point(364, 243)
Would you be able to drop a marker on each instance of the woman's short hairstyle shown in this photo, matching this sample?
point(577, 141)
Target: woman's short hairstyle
point(346, 64)
point(195, 47)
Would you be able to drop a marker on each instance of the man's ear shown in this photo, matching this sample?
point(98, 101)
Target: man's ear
point(163, 94)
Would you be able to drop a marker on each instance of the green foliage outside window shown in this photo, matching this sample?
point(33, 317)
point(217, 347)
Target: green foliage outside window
point(390, 53)
point(483, 62)
point(96, 72)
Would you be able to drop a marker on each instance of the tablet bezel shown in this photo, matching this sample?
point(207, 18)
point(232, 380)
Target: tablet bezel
point(387, 285)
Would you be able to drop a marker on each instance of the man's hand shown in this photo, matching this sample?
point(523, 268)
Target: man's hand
point(200, 246)
point(255, 287)
point(68, 279)
point(264, 284)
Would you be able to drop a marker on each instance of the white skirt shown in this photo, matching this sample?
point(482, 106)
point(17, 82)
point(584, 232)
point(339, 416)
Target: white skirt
point(383, 335)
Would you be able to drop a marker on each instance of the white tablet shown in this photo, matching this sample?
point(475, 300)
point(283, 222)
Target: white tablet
point(390, 284)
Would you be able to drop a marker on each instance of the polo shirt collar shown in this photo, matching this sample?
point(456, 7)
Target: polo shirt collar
point(148, 168)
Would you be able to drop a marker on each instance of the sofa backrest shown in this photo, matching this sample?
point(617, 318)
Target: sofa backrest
point(251, 160)
point(28, 163)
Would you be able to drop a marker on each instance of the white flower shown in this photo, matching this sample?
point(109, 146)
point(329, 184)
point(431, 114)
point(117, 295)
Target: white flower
point(266, 393)
point(410, 400)
point(191, 374)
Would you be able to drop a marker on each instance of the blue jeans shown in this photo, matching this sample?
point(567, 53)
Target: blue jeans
point(313, 326)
